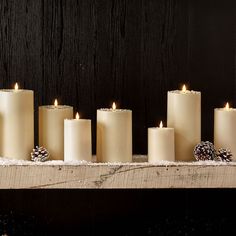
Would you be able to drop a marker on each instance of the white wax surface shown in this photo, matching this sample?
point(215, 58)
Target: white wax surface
point(114, 135)
point(225, 129)
point(161, 145)
point(77, 140)
point(184, 115)
point(16, 123)
point(51, 129)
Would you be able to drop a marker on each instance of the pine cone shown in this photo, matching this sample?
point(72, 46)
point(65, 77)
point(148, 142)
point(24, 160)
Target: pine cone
point(224, 155)
point(204, 151)
point(40, 154)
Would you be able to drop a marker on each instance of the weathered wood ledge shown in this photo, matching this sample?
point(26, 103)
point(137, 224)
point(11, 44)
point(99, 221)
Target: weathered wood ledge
point(140, 174)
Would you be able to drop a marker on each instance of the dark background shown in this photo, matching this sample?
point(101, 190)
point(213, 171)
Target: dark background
point(90, 53)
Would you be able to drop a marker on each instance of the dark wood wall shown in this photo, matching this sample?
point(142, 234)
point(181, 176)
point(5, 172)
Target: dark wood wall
point(89, 53)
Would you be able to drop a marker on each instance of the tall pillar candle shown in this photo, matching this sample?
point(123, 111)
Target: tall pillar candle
point(114, 135)
point(16, 123)
point(161, 146)
point(51, 128)
point(184, 115)
point(225, 129)
point(77, 139)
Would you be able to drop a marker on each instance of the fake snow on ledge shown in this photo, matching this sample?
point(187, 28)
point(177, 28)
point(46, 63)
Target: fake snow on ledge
point(138, 160)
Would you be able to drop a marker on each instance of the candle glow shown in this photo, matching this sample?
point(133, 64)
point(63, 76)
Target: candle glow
point(55, 103)
point(16, 86)
point(184, 89)
point(77, 116)
point(113, 106)
point(227, 106)
point(161, 125)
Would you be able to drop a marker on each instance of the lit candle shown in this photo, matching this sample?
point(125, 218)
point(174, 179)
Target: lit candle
point(184, 115)
point(77, 139)
point(51, 128)
point(114, 135)
point(17, 123)
point(225, 128)
point(161, 144)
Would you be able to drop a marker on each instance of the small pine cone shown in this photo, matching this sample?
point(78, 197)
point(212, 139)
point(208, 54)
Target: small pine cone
point(204, 151)
point(224, 155)
point(40, 154)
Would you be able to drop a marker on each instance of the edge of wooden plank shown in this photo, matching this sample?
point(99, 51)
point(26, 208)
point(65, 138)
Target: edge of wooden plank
point(118, 175)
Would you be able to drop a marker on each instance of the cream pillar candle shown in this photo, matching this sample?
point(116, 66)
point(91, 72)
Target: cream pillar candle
point(184, 115)
point(114, 135)
point(51, 128)
point(225, 129)
point(161, 144)
point(77, 139)
point(16, 123)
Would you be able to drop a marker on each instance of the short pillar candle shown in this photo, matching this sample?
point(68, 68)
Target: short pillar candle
point(77, 139)
point(16, 123)
point(161, 146)
point(114, 135)
point(225, 129)
point(184, 115)
point(51, 128)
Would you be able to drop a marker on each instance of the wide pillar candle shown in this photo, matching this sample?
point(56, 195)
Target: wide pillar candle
point(51, 128)
point(114, 135)
point(184, 115)
point(161, 146)
point(16, 123)
point(225, 129)
point(77, 139)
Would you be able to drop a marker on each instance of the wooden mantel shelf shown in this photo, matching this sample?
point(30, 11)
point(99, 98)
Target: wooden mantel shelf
point(57, 174)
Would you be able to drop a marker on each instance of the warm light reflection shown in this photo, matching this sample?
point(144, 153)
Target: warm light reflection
point(227, 106)
point(55, 103)
point(184, 89)
point(77, 116)
point(113, 106)
point(16, 86)
point(161, 125)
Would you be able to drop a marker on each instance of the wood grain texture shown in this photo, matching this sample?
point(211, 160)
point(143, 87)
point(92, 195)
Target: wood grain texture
point(88, 53)
point(139, 175)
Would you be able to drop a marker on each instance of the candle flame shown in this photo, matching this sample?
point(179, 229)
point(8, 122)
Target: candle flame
point(184, 89)
point(227, 106)
point(16, 86)
point(161, 125)
point(77, 116)
point(55, 103)
point(113, 106)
